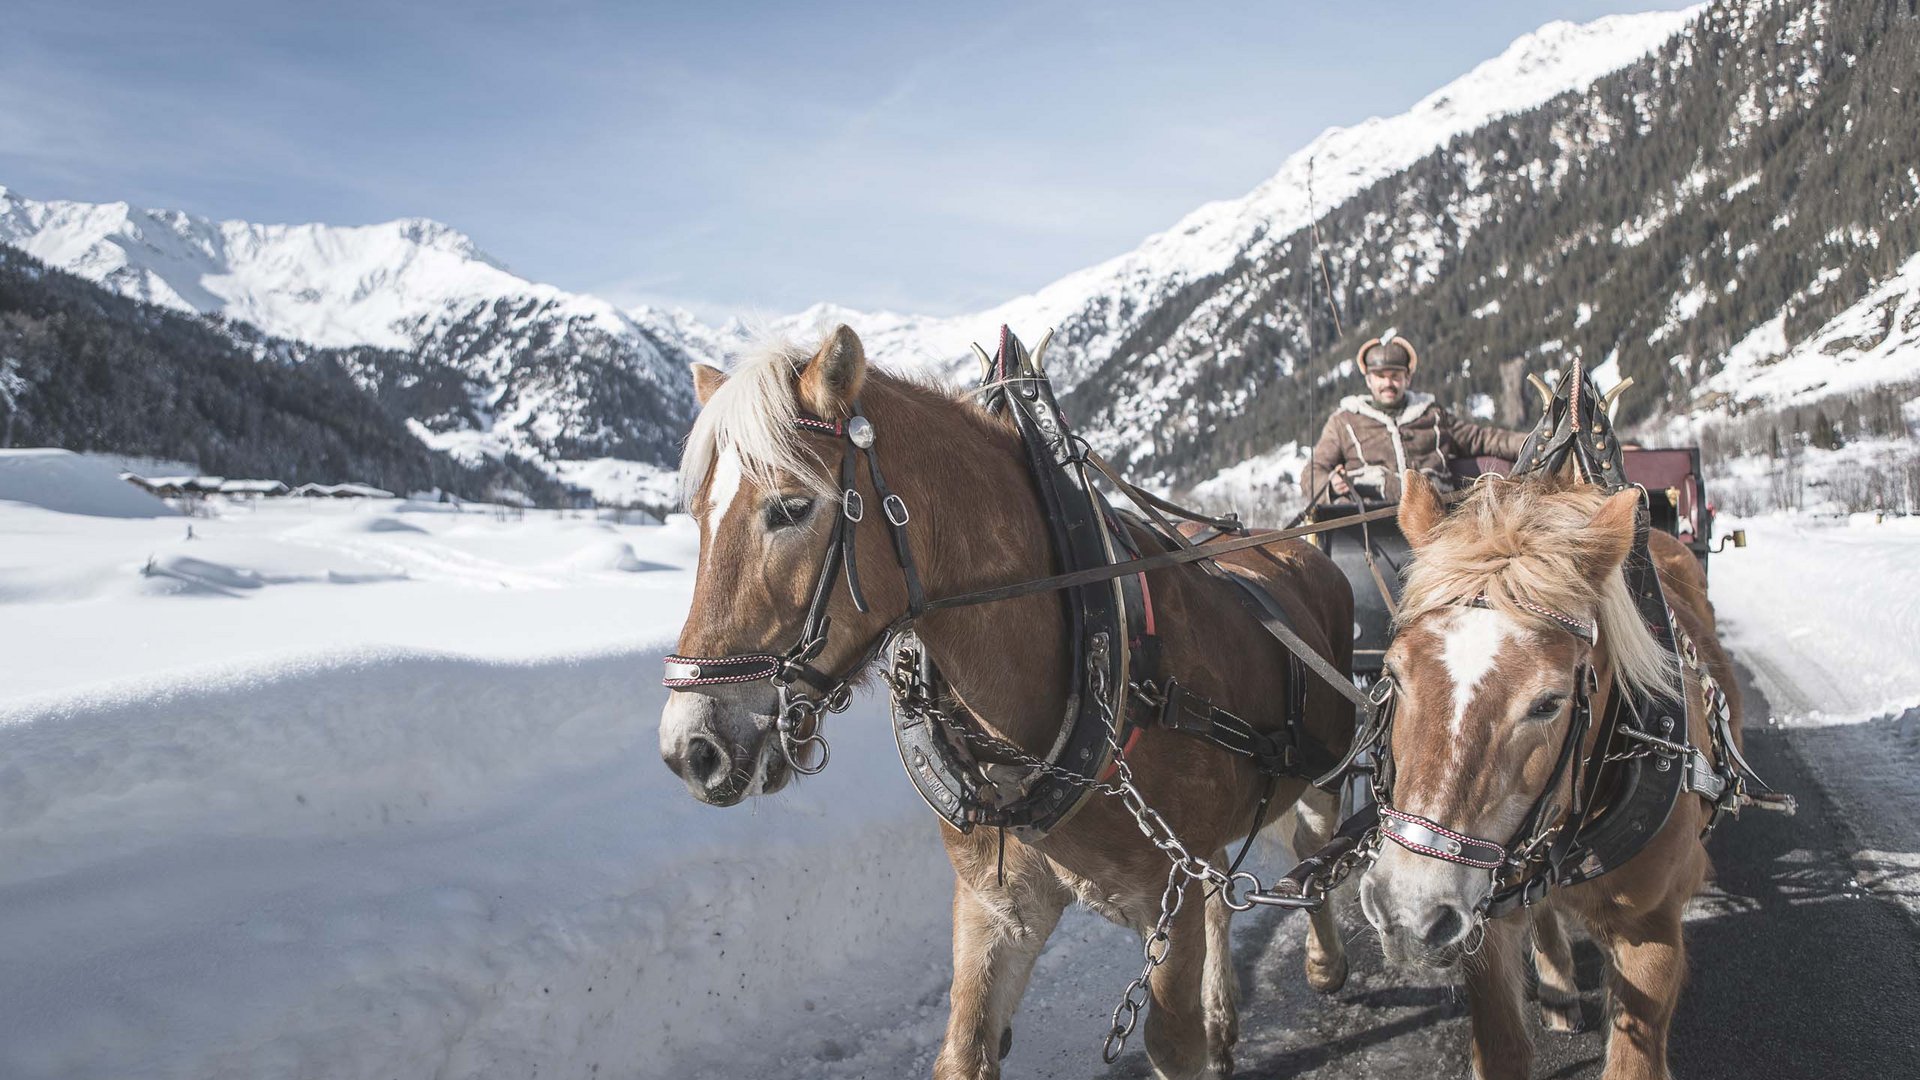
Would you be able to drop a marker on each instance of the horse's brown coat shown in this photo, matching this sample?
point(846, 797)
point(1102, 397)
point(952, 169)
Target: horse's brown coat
point(1469, 779)
point(976, 523)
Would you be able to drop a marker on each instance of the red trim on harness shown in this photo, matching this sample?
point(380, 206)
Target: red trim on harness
point(831, 427)
point(1146, 601)
point(1114, 765)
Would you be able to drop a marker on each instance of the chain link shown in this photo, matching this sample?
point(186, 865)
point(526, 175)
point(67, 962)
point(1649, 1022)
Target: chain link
point(914, 697)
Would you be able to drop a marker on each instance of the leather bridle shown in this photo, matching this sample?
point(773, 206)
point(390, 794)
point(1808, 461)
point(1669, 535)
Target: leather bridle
point(1531, 856)
point(800, 712)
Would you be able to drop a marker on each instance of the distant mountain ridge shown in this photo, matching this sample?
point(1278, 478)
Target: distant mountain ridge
point(557, 377)
point(85, 369)
point(546, 374)
point(1095, 309)
point(1755, 168)
point(1680, 196)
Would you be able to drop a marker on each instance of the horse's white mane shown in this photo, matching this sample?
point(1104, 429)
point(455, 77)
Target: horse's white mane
point(1521, 543)
point(751, 416)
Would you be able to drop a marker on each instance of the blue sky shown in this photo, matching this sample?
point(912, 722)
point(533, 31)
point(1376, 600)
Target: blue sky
point(728, 157)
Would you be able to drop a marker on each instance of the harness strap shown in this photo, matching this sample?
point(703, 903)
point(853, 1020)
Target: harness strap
point(1263, 606)
point(894, 509)
point(1427, 837)
point(852, 509)
point(716, 670)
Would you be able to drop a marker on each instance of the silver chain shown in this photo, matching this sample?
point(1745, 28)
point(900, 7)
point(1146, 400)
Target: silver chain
point(913, 696)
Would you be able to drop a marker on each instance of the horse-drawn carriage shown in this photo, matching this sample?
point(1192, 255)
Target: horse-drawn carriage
point(1373, 556)
point(1098, 706)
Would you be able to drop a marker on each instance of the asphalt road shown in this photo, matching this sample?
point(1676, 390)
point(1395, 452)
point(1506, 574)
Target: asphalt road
point(1797, 970)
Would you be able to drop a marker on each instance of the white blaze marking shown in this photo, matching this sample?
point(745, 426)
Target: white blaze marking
point(723, 490)
point(1471, 645)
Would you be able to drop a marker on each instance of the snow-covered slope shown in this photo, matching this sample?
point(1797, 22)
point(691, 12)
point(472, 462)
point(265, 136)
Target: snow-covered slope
point(1096, 308)
point(1873, 342)
point(553, 375)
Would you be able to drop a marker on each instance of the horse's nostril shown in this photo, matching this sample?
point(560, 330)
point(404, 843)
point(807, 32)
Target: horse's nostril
point(1445, 928)
point(704, 759)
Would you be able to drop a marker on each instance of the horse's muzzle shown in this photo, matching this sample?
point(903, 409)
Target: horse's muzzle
point(722, 753)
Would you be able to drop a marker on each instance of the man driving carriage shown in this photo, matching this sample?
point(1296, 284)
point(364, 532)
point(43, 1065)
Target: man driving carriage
point(1373, 437)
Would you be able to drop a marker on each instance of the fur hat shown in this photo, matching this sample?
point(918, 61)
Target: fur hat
point(1387, 352)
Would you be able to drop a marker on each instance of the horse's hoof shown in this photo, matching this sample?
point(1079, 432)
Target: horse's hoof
point(1220, 1060)
point(1561, 1015)
point(1006, 1042)
point(1327, 976)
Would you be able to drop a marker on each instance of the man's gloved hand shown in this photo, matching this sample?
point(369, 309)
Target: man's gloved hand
point(1369, 479)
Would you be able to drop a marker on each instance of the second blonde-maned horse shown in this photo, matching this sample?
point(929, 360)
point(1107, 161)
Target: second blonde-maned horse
point(760, 487)
point(1484, 698)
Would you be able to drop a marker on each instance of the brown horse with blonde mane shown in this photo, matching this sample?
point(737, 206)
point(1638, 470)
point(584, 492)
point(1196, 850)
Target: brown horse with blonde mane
point(1514, 607)
point(760, 486)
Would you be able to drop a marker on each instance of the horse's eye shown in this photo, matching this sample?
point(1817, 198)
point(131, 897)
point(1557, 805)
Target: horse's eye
point(787, 510)
point(1546, 707)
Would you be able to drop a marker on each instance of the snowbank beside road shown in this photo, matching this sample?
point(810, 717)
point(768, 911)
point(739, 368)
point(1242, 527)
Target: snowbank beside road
point(1825, 611)
point(407, 864)
point(353, 789)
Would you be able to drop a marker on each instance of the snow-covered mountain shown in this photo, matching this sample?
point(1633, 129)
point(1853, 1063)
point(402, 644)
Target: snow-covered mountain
point(1750, 170)
point(551, 375)
point(1682, 196)
point(1095, 309)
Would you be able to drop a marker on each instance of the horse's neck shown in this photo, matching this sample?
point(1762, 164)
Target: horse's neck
point(1006, 661)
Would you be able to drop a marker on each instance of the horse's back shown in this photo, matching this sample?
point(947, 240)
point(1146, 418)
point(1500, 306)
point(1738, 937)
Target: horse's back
point(1309, 586)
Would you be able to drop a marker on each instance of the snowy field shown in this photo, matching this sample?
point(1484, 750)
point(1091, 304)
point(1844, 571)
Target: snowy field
point(357, 789)
point(371, 788)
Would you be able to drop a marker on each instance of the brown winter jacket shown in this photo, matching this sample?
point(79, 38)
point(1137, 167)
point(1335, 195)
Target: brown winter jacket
point(1375, 447)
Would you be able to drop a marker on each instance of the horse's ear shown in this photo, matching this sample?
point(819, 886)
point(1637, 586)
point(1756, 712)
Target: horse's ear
point(1420, 508)
point(707, 381)
point(832, 379)
point(1610, 535)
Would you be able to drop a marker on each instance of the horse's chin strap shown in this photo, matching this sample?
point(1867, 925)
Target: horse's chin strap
point(801, 713)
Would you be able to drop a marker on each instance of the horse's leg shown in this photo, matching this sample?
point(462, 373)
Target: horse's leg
point(1649, 964)
point(998, 932)
point(1222, 983)
point(1313, 824)
point(1553, 961)
point(1502, 1046)
point(1176, 1025)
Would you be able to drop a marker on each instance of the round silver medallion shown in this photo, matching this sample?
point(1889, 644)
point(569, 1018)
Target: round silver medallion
point(860, 430)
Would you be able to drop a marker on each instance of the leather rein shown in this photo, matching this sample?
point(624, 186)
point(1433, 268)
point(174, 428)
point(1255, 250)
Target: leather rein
point(807, 694)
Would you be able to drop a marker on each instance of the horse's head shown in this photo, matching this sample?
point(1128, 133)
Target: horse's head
point(758, 478)
point(1497, 630)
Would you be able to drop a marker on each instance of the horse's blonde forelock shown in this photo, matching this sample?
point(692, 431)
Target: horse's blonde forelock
point(1527, 542)
point(751, 416)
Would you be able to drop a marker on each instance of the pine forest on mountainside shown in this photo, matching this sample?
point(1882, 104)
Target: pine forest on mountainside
point(1761, 164)
point(102, 372)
